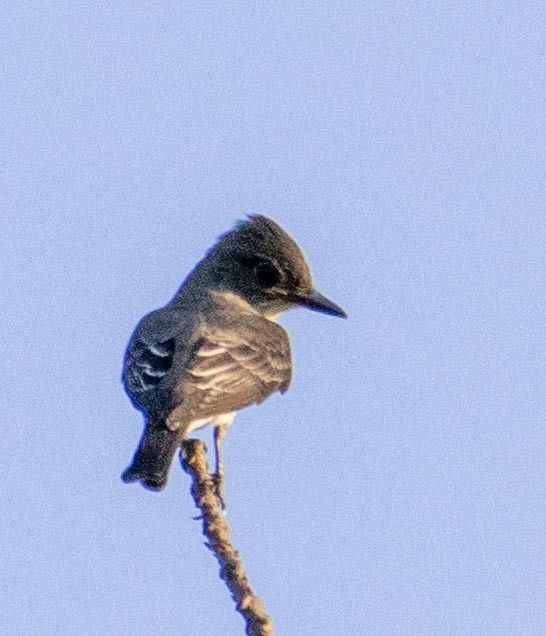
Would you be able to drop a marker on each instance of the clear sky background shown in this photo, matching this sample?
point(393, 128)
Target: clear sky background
point(399, 487)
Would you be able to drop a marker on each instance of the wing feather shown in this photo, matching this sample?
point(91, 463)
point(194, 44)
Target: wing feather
point(147, 364)
point(241, 366)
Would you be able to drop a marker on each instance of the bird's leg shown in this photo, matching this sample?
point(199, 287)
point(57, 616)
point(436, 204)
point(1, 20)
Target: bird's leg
point(218, 476)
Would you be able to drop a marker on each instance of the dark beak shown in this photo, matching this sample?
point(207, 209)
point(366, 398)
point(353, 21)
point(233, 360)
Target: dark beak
point(317, 302)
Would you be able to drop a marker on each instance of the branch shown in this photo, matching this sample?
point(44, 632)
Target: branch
point(216, 530)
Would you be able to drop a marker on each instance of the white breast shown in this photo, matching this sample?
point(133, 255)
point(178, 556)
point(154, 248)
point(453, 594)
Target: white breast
point(224, 419)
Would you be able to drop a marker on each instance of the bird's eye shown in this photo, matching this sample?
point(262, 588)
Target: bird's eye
point(266, 274)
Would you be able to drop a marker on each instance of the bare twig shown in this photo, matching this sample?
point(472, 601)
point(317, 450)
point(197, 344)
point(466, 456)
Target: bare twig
point(216, 530)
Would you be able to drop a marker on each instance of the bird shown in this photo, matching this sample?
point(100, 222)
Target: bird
point(216, 347)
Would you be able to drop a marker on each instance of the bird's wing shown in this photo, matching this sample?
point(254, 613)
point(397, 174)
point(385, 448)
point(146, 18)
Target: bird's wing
point(149, 359)
point(147, 363)
point(234, 367)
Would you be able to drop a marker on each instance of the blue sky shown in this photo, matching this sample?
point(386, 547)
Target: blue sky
point(399, 486)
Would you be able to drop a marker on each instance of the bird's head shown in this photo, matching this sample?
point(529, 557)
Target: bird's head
point(258, 261)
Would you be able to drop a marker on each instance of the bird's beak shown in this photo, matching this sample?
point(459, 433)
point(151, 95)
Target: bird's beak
point(317, 302)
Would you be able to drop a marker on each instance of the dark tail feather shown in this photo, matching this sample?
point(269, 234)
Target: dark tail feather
point(153, 458)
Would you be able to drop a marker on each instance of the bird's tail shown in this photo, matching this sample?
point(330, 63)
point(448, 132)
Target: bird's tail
point(153, 457)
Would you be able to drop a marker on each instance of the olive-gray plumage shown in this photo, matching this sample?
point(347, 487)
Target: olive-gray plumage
point(214, 348)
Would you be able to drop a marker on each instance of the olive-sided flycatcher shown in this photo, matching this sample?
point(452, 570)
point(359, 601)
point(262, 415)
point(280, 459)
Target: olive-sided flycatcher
point(215, 348)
